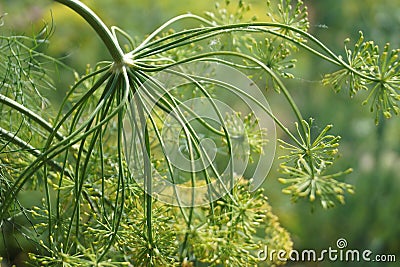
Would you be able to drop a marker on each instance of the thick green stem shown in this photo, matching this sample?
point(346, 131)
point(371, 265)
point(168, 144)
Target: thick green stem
point(98, 25)
point(31, 115)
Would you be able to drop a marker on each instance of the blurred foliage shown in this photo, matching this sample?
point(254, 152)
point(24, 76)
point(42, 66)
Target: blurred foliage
point(369, 218)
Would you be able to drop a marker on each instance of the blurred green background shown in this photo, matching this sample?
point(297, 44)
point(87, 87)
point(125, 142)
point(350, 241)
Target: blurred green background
point(371, 218)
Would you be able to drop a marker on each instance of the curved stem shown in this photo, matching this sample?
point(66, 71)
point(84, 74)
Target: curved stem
point(31, 114)
point(208, 56)
point(162, 27)
point(197, 34)
point(145, 143)
point(12, 138)
point(98, 25)
point(51, 152)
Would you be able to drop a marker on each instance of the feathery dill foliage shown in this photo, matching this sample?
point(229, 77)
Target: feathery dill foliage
point(26, 119)
point(91, 211)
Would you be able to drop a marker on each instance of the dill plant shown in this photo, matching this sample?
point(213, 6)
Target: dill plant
point(99, 205)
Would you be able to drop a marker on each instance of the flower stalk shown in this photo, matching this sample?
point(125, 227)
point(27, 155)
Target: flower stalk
point(98, 25)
